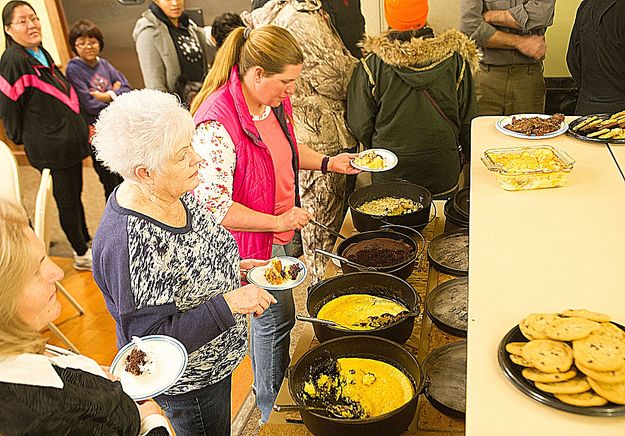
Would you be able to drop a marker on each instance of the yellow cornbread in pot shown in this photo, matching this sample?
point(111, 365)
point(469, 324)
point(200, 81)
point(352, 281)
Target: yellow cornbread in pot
point(375, 386)
point(359, 311)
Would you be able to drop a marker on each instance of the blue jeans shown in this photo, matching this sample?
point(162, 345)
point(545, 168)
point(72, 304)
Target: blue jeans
point(269, 344)
point(207, 413)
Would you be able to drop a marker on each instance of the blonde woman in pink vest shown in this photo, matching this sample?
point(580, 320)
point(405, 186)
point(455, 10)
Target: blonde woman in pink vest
point(249, 177)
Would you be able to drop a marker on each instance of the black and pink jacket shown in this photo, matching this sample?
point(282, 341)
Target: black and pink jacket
point(40, 109)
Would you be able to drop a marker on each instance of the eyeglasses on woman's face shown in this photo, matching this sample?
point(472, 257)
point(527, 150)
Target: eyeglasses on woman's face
point(24, 21)
point(88, 43)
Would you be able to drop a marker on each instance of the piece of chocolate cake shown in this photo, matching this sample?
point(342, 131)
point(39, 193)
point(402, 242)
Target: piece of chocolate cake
point(136, 361)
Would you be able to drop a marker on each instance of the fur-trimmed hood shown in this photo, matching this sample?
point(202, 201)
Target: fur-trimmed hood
point(420, 53)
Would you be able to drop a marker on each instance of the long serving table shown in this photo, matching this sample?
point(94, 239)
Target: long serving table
point(539, 251)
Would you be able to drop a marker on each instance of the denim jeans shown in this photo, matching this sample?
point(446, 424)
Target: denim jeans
point(207, 413)
point(269, 344)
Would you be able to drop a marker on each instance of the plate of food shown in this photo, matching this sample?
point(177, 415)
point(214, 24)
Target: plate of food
point(148, 366)
point(532, 126)
point(375, 160)
point(605, 128)
point(282, 272)
point(572, 361)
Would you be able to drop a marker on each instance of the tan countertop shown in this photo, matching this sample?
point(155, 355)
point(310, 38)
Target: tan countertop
point(539, 251)
point(618, 150)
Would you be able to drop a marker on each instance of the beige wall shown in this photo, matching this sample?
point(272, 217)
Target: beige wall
point(41, 8)
point(446, 13)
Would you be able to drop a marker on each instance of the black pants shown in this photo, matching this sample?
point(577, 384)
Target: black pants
point(67, 188)
point(108, 179)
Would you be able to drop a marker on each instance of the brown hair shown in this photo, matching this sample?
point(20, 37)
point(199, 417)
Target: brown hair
point(17, 264)
point(270, 47)
point(7, 17)
point(84, 28)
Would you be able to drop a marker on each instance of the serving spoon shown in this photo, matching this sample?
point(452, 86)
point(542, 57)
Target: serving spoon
point(317, 321)
point(358, 266)
point(336, 410)
point(328, 229)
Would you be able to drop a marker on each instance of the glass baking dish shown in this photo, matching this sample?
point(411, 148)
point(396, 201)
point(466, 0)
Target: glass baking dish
point(529, 167)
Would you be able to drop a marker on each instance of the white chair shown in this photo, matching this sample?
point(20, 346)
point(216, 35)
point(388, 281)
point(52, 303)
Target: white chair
point(42, 223)
point(9, 175)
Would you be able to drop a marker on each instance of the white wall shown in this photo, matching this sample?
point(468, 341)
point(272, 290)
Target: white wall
point(46, 29)
point(445, 14)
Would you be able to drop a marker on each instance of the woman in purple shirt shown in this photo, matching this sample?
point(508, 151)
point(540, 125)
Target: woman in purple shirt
point(96, 82)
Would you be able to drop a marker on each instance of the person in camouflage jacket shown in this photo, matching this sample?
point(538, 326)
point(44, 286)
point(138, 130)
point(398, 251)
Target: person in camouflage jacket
point(319, 107)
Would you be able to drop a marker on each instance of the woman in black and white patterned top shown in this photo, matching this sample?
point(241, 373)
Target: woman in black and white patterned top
point(162, 262)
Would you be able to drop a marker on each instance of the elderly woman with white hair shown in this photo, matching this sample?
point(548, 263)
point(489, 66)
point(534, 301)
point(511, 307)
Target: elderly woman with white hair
point(163, 263)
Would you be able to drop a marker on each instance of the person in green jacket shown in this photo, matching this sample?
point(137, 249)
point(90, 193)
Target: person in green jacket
point(413, 93)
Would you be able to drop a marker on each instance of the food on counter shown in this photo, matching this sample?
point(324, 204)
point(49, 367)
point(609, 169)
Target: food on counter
point(378, 252)
point(535, 126)
point(276, 274)
point(577, 355)
point(601, 127)
point(520, 168)
point(370, 159)
point(548, 356)
point(362, 311)
point(390, 206)
point(359, 387)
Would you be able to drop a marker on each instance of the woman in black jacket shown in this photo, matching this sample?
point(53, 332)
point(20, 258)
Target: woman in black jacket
point(40, 109)
point(42, 393)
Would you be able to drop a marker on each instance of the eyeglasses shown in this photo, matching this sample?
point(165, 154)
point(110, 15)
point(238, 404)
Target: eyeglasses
point(24, 21)
point(87, 44)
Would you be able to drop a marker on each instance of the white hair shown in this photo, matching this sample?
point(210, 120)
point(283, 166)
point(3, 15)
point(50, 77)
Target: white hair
point(141, 127)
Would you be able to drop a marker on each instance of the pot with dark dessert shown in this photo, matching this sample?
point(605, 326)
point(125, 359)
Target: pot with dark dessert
point(402, 203)
point(385, 250)
point(371, 303)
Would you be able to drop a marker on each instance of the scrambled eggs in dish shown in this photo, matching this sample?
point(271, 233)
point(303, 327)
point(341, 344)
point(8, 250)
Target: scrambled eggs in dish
point(389, 206)
point(363, 388)
point(361, 311)
point(371, 160)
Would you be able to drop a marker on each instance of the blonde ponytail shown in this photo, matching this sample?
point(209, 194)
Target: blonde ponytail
point(270, 47)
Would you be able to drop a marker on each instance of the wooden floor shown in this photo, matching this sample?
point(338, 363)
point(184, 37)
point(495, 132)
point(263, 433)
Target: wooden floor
point(94, 332)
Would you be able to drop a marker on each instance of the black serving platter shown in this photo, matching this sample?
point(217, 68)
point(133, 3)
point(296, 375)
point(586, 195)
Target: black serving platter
point(578, 135)
point(443, 249)
point(447, 306)
point(513, 373)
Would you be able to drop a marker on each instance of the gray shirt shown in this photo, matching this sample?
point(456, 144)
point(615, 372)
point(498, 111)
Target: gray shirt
point(534, 16)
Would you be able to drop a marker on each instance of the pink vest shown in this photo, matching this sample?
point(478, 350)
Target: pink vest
point(254, 180)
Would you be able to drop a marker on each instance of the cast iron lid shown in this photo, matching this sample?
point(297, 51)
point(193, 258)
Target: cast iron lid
point(447, 306)
point(445, 370)
point(449, 252)
point(461, 202)
point(454, 217)
point(513, 373)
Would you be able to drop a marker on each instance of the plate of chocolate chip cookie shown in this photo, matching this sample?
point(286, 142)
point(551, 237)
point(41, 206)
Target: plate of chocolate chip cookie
point(573, 361)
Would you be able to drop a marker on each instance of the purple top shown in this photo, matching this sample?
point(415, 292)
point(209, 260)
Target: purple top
point(100, 78)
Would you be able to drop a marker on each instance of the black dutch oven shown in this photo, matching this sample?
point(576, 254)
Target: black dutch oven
point(321, 423)
point(402, 269)
point(372, 283)
point(364, 222)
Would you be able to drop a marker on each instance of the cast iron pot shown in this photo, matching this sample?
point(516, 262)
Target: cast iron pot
point(402, 269)
point(392, 423)
point(364, 222)
point(372, 283)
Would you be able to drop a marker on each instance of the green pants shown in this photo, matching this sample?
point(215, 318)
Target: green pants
point(510, 89)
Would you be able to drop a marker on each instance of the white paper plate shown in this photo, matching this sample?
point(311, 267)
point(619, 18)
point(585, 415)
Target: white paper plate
point(171, 360)
point(499, 125)
point(390, 160)
point(256, 275)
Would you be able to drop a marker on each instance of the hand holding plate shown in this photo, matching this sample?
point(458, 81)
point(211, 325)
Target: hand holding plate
point(250, 299)
point(341, 163)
